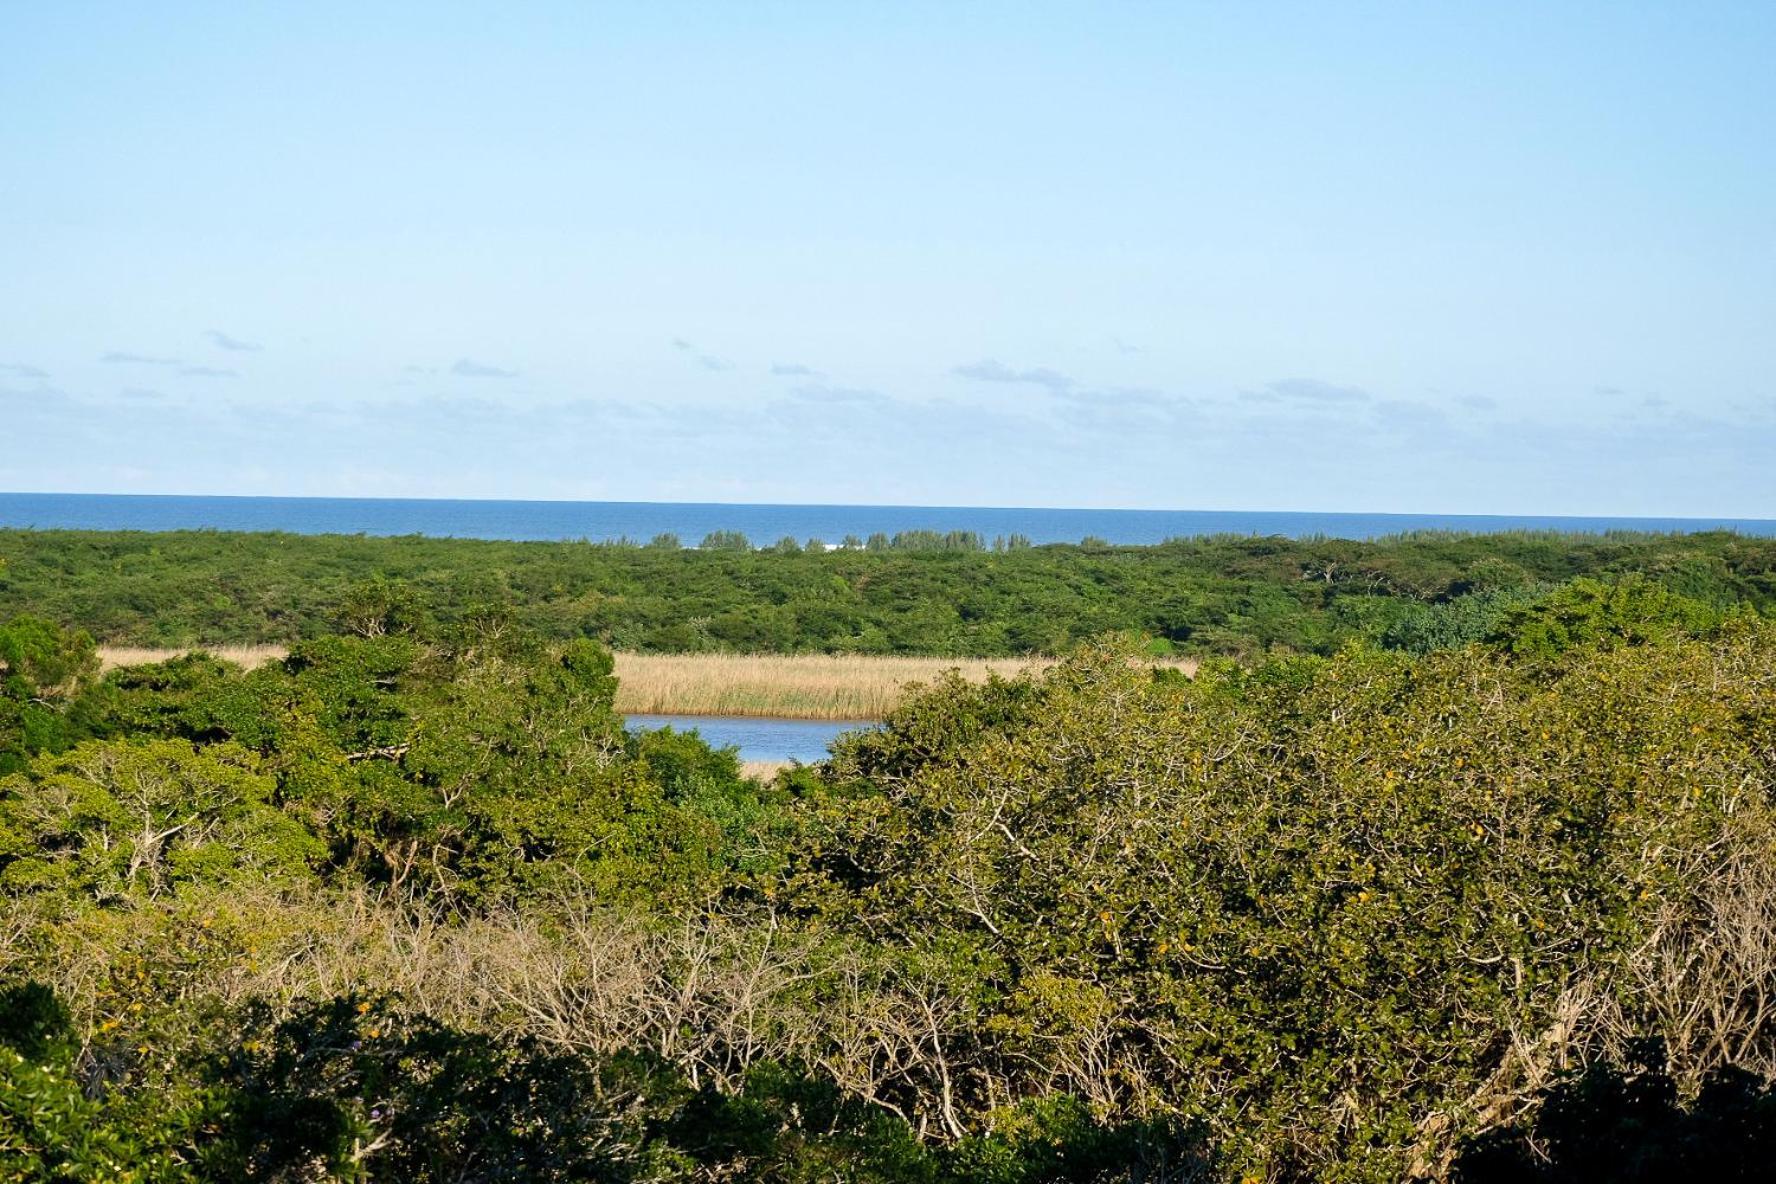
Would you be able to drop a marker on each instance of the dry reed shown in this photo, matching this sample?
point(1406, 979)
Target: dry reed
point(793, 686)
point(790, 686)
point(249, 656)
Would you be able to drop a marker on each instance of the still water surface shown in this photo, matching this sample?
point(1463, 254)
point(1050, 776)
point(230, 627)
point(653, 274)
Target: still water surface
point(758, 739)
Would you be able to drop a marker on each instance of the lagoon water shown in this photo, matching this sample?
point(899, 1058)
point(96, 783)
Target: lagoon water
point(758, 739)
point(604, 521)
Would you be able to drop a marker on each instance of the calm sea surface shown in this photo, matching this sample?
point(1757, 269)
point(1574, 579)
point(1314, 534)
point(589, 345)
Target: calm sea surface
point(641, 521)
point(802, 740)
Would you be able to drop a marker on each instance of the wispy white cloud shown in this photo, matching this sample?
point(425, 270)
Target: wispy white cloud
point(124, 358)
point(1306, 390)
point(706, 360)
point(1132, 446)
point(991, 370)
point(1404, 415)
point(222, 340)
point(822, 393)
point(469, 368)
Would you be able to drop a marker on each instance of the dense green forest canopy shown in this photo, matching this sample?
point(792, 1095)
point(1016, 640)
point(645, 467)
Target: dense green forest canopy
point(411, 904)
point(940, 595)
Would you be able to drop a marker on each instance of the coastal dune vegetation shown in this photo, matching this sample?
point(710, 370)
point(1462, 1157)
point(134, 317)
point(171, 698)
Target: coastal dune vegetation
point(1226, 596)
point(407, 901)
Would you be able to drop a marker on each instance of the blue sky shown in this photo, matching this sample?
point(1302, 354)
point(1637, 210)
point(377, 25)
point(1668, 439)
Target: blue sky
point(1481, 258)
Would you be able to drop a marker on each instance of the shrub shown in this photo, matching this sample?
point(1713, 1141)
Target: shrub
point(354, 1089)
point(111, 820)
point(1310, 904)
point(1587, 612)
point(1627, 1124)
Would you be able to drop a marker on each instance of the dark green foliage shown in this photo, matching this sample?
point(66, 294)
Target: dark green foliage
point(1284, 920)
point(1587, 612)
point(1305, 904)
point(380, 607)
point(41, 668)
point(194, 695)
point(34, 1024)
point(787, 1127)
point(352, 1090)
point(1472, 617)
point(112, 820)
point(918, 592)
point(725, 540)
point(793, 1127)
point(357, 1089)
point(928, 540)
point(1627, 1125)
point(471, 760)
point(1057, 1140)
point(50, 1128)
point(38, 658)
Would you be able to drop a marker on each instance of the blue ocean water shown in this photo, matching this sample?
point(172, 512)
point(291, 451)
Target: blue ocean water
point(601, 521)
point(757, 739)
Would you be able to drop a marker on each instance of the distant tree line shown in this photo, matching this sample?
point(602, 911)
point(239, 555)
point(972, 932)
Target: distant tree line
point(905, 540)
point(914, 593)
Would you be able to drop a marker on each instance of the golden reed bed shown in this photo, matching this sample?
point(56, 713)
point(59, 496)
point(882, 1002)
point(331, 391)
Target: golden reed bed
point(112, 656)
point(794, 686)
point(799, 686)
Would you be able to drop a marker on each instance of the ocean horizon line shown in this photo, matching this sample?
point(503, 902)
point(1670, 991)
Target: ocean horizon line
point(985, 506)
point(763, 523)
